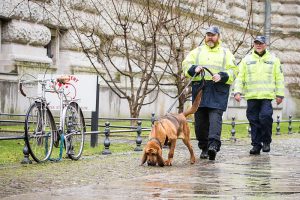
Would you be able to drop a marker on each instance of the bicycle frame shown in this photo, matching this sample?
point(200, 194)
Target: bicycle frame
point(63, 104)
point(67, 135)
point(72, 139)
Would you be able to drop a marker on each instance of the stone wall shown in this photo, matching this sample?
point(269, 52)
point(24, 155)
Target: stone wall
point(26, 32)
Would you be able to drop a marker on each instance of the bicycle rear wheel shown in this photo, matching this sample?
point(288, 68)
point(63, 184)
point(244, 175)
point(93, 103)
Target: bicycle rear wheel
point(39, 132)
point(74, 130)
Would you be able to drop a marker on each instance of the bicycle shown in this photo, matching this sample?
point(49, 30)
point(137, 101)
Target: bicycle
point(41, 132)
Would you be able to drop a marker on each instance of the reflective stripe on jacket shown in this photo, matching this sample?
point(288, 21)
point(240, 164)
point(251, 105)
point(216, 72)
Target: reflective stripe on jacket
point(260, 77)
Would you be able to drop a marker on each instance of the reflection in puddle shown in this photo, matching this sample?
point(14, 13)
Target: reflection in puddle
point(253, 176)
point(258, 173)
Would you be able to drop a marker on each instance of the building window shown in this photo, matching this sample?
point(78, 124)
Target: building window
point(53, 46)
point(49, 48)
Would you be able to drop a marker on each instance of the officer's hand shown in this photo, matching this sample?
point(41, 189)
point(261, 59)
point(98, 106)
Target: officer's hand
point(198, 69)
point(216, 78)
point(278, 100)
point(238, 97)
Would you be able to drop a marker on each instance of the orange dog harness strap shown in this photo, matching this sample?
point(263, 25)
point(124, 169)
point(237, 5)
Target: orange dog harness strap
point(172, 118)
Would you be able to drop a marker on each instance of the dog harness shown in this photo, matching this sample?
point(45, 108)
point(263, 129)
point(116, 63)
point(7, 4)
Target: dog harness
point(157, 141)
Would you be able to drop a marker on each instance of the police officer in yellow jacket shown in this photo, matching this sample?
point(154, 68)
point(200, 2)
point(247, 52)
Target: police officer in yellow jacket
point(221, 62)
point(261, 80)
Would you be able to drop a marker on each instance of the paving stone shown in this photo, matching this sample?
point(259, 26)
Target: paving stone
point(233, 175)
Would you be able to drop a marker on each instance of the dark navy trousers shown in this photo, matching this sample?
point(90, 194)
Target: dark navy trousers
point(259, 113)
point(208, 127)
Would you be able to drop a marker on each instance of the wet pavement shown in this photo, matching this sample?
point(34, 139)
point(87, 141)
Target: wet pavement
point(233, 175)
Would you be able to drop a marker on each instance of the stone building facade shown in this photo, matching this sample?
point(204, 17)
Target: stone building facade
point(33, 40)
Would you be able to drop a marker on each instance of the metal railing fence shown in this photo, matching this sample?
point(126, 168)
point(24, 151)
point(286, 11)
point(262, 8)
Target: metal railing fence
point(15, 119)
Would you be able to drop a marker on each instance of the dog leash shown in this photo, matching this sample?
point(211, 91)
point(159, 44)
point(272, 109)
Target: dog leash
point(202, 73)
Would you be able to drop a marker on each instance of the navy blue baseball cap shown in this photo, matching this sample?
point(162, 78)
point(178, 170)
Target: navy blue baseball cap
point(261, 39)
point(213, 30)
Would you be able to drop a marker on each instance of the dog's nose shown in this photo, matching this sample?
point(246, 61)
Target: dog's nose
point(151, 163)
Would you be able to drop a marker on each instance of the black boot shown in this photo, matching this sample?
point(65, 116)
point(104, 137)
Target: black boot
point(266, 147)
point(212, 152)
point(255, 150)
point(204, 154)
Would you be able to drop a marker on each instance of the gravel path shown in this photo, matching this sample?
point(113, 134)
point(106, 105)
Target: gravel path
point(98, 174)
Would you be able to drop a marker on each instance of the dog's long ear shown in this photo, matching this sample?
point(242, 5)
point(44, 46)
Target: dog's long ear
point(160, 160)
point(144, 158)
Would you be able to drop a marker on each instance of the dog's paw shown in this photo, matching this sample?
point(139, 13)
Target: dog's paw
point(193, 160)
point(168, 163)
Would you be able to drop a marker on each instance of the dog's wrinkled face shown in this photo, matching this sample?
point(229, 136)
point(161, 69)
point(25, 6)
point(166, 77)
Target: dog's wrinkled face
point(153, 155)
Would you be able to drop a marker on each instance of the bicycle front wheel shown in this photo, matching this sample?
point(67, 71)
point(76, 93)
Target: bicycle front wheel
point(39, 131)
point(74, 130)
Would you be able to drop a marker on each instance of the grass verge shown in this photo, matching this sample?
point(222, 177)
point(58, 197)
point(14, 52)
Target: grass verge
point(12, 150)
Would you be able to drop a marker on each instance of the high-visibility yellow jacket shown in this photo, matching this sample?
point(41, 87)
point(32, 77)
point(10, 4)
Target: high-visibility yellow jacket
point(218, 59)
point(260, 77)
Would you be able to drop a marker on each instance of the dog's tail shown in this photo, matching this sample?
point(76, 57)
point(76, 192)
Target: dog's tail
point(195, 105)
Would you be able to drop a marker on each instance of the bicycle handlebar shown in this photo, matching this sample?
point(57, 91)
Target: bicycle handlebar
point(21, 89)
point(62, 80)
point(30, 81)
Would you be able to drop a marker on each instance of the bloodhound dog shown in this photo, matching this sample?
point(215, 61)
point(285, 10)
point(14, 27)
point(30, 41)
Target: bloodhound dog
point(167, 130)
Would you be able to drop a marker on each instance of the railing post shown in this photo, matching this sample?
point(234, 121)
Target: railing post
point(95, 116)
point(106, 150)
point(233, 129)
point(278, 125)
point(290, 125)
point(26, 159)
point(138, 138)
point(152, 117)
point(249, 131)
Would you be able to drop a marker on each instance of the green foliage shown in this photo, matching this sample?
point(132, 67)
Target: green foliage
point(11, 151)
